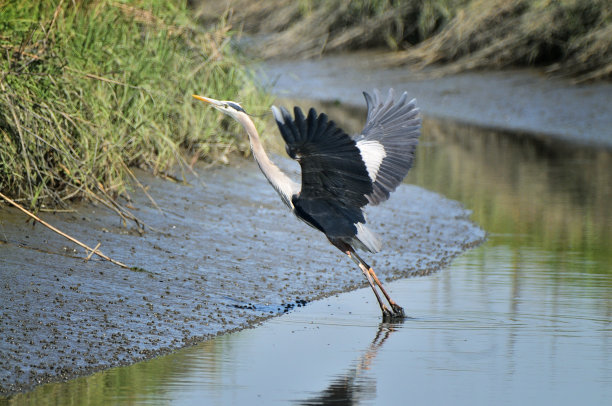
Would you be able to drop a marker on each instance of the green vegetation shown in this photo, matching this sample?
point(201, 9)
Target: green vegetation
point(90, 89)
point(568, 37)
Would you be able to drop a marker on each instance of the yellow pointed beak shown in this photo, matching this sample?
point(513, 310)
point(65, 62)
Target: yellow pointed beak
point(207, 100)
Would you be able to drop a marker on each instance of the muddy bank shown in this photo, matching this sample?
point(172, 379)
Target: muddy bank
point(225, 254)
point(516, 100)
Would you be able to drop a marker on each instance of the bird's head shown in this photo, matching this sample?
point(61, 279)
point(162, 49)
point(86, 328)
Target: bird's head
point(230, 108)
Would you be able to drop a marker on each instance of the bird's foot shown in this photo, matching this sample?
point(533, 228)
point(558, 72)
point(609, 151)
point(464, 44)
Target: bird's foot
point(397, 313)
point(387, 314)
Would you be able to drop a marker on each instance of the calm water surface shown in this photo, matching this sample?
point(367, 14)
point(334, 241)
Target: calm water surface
point(525, 318)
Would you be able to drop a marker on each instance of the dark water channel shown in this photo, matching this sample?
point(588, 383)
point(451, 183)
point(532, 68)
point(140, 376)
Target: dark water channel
point(525, 318)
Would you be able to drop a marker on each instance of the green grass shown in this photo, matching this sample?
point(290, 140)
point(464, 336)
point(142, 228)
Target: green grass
point(89, 89)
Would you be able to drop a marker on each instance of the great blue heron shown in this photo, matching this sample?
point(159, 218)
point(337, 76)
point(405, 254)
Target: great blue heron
point(340, 174)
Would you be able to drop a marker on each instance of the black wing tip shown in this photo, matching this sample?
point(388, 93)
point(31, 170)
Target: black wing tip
point(286, 114)
point(283, 116)
point(297, 113)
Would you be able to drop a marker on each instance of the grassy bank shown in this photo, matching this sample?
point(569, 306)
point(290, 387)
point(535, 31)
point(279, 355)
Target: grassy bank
point(568, 37)
point(90, 89)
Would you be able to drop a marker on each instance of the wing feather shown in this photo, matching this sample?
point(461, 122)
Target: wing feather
point(395, 125)
point(331, 163)
point(341, 174)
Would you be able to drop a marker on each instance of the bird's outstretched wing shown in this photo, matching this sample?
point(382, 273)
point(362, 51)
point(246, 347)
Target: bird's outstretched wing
point(388, 141)
point(332, 164)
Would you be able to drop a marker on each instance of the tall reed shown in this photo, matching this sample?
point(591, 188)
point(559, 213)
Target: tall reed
point(89, 89)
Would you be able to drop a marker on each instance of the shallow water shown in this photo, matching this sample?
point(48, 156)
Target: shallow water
point(525, 318)
point(220, 253)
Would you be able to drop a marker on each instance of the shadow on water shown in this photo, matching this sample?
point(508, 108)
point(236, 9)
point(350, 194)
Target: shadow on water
point(354, 385)
point(524, 319)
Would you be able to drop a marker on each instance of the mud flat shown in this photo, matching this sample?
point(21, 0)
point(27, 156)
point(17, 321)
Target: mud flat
point(516, 100)
point(220, 255)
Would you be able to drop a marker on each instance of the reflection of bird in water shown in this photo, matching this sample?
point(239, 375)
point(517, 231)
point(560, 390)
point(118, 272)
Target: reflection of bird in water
point(341, 174)
point(353, 386)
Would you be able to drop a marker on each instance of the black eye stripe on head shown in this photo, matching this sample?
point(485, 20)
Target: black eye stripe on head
point(236, 107)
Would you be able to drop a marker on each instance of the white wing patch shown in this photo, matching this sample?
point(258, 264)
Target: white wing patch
point(277, 115)
point(372, 153)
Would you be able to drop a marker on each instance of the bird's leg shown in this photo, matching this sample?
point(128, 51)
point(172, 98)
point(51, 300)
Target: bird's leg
point(387, 314)
point(398, 311)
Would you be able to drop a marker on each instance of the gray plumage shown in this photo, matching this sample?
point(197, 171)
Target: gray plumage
point(340, 174)
point(396, 126)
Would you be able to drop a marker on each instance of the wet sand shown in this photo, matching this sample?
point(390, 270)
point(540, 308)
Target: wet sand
point(225, 254)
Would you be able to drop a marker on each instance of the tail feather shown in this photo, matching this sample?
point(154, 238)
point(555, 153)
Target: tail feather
point(366, 239)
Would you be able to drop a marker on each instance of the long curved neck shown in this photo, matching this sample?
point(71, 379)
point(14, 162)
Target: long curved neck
point(277, 178)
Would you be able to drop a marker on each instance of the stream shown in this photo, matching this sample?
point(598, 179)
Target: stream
point(524, 318)
point(498, 246)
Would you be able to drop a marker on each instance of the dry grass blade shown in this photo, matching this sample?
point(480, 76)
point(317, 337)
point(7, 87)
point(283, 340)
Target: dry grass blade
point(569, 37)
point(56, 230)
point(141, 186)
